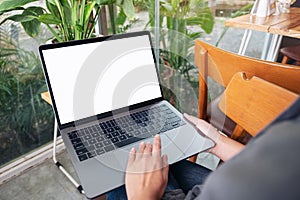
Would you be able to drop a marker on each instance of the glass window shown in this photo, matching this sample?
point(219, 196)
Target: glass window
point(26, 120)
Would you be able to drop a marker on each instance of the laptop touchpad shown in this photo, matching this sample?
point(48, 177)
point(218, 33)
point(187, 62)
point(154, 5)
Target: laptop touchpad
point(168, 148)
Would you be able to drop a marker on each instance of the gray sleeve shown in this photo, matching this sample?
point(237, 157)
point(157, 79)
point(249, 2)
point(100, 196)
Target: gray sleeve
point(176, 194)
point(267, 169)
point(195, 193)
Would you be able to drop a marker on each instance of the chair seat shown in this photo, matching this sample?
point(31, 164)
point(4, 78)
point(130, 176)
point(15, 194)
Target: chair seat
point(219, 120)
point(292, 52)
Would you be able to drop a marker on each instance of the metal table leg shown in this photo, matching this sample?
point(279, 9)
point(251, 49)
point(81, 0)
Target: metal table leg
point(245, 42)
point(274, 47)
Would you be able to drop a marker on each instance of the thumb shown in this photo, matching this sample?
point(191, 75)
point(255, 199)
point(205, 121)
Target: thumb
point(204, 127)
point(165, 167)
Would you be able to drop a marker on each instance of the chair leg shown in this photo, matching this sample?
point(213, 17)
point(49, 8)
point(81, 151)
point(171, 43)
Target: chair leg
point(193, 158)
point(285, 59)
point(238, 130)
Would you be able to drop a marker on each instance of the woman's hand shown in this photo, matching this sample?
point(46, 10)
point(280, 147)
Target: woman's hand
point(205, 128)
point(225, 147)
point(147, 172)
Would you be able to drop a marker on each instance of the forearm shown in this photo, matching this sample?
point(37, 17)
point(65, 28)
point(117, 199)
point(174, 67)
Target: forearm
point(226, 148)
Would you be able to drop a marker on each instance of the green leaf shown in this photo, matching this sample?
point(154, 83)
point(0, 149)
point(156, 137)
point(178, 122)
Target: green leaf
point(51, 6)
point(21, 18)
point(51, 2)
point(121, 18)
point(49, 19)
point(32, 28)
point(128, 8)
point(36, 11)
point(103, 2)
point(204, 19)
point(28, 14)
point(12, 4)
point(88, 11)
point(67, 9)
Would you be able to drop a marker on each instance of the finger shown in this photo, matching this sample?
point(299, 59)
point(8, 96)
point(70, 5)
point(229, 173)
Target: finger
point(148, 149)
point(141, 149)
point(201, 125)
point(165, 169)
point(193, 120)
point(157, 145)
point(132, 155)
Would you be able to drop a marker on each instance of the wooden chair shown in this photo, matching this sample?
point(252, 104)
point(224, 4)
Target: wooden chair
point(221, 66)
point(291, 52)
point(254, 103)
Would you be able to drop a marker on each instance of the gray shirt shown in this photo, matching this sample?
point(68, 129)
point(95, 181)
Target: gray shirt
point(268, 168)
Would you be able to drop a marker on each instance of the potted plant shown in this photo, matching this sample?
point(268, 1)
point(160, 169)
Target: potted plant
point(181, 22)
point(66, 19)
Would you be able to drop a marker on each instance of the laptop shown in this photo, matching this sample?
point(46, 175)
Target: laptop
point(107, 98)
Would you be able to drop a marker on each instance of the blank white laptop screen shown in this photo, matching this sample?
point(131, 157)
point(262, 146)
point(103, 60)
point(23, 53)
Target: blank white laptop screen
point(93, 78)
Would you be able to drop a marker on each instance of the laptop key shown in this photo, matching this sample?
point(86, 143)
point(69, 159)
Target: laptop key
point(81, 151)
point(128, 141)
point(124, 125)
point(92, 141)
point(90, 148)
point(114, 134)
point(103, 125)
point(95, 134)
point(129, 135)
point(115, 140)
point(110, 130)
point(87, 137)
point(73, 135)
point(107, 142)
point(100, 151)
point(100, 139)
point(109, 148)
point(78, 146)
point(83, 157)
point(122, 137)
point(99, 145)
point(76, 141)
point(137, 132)
point(108, 136)
point(91, 154)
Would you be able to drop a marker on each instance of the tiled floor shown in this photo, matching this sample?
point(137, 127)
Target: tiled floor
point(42, 182)
point(45, 181)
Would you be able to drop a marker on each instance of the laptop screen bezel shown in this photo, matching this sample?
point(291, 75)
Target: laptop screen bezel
point(94, 40)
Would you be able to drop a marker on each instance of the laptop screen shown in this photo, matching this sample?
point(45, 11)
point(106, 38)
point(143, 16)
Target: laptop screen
point(93, 78)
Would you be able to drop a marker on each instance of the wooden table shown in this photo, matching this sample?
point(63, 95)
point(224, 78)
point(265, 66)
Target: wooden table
point(284, 24)
point(46, 97)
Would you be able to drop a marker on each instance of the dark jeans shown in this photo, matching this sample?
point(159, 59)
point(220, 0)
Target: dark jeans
point(183, 175)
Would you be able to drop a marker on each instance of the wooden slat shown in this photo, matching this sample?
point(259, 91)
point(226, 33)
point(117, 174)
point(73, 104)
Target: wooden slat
point(222, 65)
point(286, 24)
point(254, 103)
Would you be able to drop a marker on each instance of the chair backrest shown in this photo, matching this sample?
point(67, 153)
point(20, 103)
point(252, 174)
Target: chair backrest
point(221, 65)
point(254, 103)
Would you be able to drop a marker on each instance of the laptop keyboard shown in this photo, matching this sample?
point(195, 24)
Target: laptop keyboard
point(118, 132)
